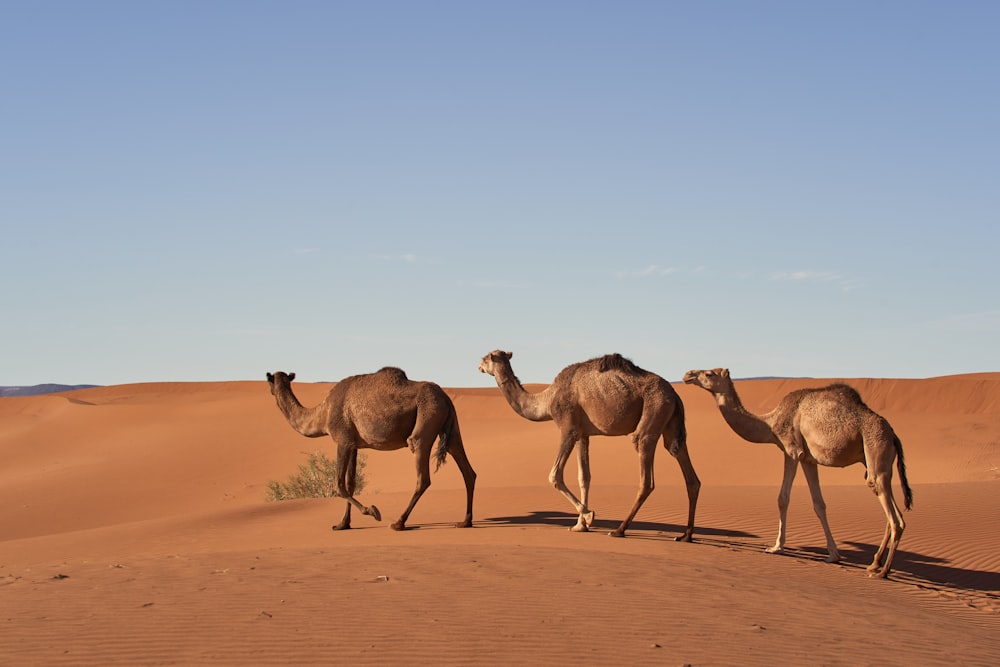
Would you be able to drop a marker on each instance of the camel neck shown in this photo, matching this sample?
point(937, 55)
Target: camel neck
point(307, 421)
point(750, 427)
point(530, 406)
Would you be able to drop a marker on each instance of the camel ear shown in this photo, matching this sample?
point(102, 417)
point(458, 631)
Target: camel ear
point(291, 376)
point(725, 373)
point(508, 355)
point(270, 378)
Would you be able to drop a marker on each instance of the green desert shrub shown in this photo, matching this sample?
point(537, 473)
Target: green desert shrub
point(316, 478)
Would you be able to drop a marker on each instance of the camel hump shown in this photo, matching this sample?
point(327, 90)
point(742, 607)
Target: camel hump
point(616, 362)
point(397, 375)
point(848, 392)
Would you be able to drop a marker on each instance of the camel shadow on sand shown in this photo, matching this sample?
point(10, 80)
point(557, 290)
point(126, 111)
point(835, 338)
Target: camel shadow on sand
point(978, 588)
point(928, 571)
point(567, 520)
point(911, 567)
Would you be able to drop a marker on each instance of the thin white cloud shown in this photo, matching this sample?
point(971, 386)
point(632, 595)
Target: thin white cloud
point(843, 282)
point(805, 275)
point(494, 284)
point(653, 270)
point(408, 258)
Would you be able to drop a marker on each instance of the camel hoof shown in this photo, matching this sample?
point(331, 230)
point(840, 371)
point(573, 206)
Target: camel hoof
point(397, 525)
point(774, 550)
point(464, 524)
point(580, 528)
point(832, 559)
point(617, 533)
point(374, 513)
point(686, 537)
point(341, 526)
point(587, 518)
point(876, 571)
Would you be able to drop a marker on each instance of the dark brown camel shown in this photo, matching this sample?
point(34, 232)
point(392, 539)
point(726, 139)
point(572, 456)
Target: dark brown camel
point(384, 411)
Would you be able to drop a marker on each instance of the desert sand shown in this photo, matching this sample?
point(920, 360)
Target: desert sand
point(134, 530)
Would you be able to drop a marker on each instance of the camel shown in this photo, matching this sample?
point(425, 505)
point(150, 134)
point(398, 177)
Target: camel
point(384, 411)
point(829, 426)
point(604, 396)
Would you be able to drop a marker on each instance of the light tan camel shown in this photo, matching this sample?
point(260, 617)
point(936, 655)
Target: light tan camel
point(384, 411)
point(605, 396)
point(829, 426)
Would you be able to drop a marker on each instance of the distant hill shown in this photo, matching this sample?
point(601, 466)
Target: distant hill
point(42, 389)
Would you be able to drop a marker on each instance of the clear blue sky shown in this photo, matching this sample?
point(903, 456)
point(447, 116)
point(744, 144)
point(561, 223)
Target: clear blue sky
point(197, 191)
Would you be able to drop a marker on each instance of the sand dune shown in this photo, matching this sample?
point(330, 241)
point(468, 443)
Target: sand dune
point(133, 529)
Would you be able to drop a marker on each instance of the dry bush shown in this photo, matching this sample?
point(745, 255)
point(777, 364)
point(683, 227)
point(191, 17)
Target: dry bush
point(316, 478)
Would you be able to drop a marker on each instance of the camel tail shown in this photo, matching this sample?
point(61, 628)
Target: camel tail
point(444, 439)
point(901, 467)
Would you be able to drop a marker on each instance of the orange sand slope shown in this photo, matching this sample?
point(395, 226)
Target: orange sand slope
point(133, 529)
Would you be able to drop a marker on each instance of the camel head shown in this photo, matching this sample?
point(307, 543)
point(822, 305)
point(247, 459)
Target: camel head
point(283, 378)
point(716, 380)
point(493, 361)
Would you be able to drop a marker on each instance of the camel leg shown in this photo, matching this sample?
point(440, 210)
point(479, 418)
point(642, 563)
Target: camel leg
point(344, 453)
point(352, 477)
point(811, 471)
point(646, 446)
point(586, 518)
point(876, 566)
point(784, 495)
point(693, 487)
point(422, 449)
point(457, 451)
point(556, 479)
point(895, 525)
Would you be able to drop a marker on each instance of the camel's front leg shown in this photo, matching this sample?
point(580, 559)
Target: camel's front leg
point(819, 506)
point(344, 454)
point(586, 518)
point(556, 479)
point(784, 495)
point(352, 477)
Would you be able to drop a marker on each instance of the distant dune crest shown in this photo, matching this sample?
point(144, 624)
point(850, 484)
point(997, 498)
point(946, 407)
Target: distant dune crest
point(39, 389)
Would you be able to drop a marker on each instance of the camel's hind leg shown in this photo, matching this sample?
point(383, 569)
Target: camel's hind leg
point(675, 442)
point(895, 525)
point(457, 450)
point(646, 447)
point(693, 488)
point(881, 447)
point(811, 472)
point(344, 454)
point(422, 449)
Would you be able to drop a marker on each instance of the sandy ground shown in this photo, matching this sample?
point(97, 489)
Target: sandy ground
point(134, 530)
